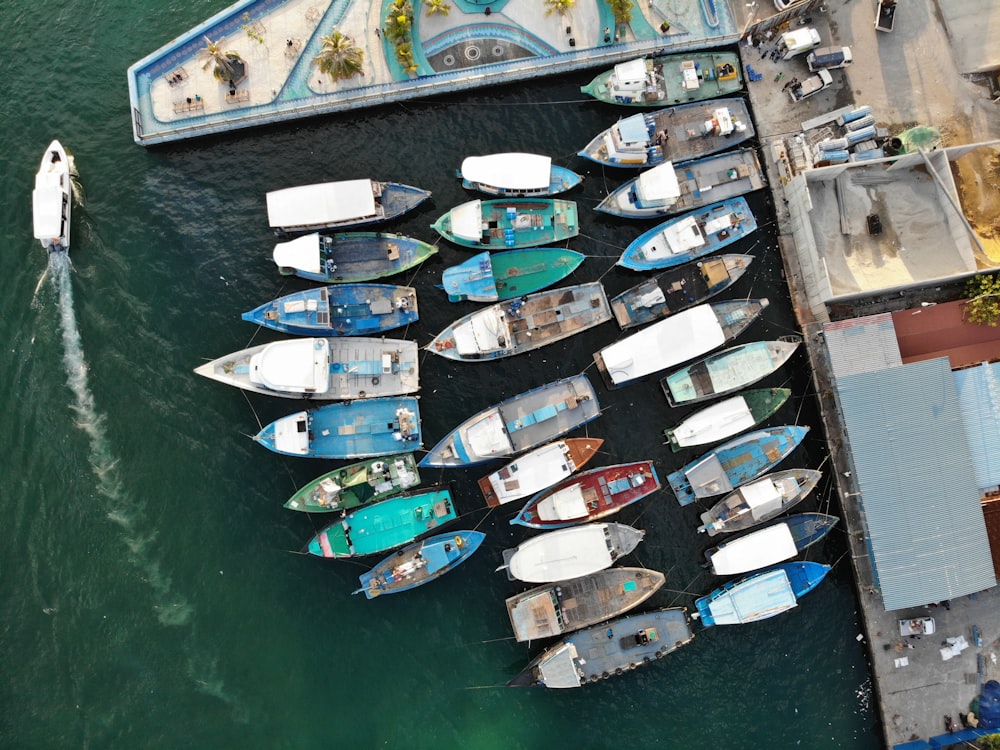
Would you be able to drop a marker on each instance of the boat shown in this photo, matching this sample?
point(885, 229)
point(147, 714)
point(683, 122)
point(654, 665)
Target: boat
point(339, 205)
point(384, 525)
point(321, 368)
point(677, 289)
point(759, 501)
point(612, 648)
point(727, 371)
point(737, 462)
point(670, 79)
point(537, 469)
point(495, 277)
point(727, 418)
point(52, 199)
point(518, 424)
point(365, 428)
point(556, 608)
point(516, 175)
point(505, 224)
point(674, 134)
point(571, 552)
point(523, 324)
point(420, 562)
point(760, 595)
point(690, 237)
point(357, 484)
point(590, 496)
point(345, 310)
point(676, 339)
point(350, 257)
point(770, 545)
point(672, 188)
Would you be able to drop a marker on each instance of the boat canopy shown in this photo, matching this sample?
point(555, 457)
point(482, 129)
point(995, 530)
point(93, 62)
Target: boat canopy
point(716, 225)
point(763, 497)
point(467, 220)
point(557, 668)
point(47, 205)
point(512, 171)
point(708, 477)
point(533, 614)
point(323, 204)
point(631, 131)
point(483, 331)
point(658, 185)
point(291, 434)
point(298, 365)
point(488, 437)
point(753, 551)
point(302, 253)
point(732, 415)
point(631, 75)
point(563, 554)
point(564, 505)
point(757, 598)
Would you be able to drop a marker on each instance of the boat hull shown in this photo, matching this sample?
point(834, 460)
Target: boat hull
point(761, 595)
point(570, 552)
point(346, 310)
point(726, 418)
point(667, 80)
point(52, 199)
point(350, 257)
point(537, 470)
point(508, 224)
point(310, 204)
point(769, 545)
point(357, 484)
point(495, 277)
point(420, 562)
point(759, 501)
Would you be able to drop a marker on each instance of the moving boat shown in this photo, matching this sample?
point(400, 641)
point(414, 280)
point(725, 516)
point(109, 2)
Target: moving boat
point(678, 133)
point(670, 79)
point(727, 418)
point(523, 324)
point(350, 256)
point(608, 649)
point(737, 462)
point(384, 525)
point(516, 175)
point(568, 553)
point(507, 224)
point(677, 289)
point(538, 469)
point(357, 484)
point(760, 595)
point(727, 371)
point(675, 188)
point(759, 501)
point(495, 277)
point(556, 608)
point(320, 368)
point(338, 205)
point(518, 424)
point(52, 199)
point(590, 496)
point(420, 562)
point(770, 545)
point(345, 310)
point(353, 429)
point(676, 339)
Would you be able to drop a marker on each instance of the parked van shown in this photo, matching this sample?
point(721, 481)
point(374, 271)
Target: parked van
point(793, 43)
point(829, 57)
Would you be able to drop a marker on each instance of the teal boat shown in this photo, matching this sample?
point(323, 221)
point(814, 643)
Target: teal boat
point(357, 484)
point(496, 277)
point(509, 224)
point(671, 79)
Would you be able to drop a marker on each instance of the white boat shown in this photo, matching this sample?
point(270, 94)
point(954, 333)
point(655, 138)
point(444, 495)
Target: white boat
point(348, 203)
point(759, 501)
point(516, 175)
point(732, 416)
point(537, 470)
point(753, 551)
point(52, 199)
point(569, 553)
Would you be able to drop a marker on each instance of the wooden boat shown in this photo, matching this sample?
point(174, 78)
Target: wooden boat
point(677, 289)
point(670, 79)
point(321, 368)
point(556, 608)
point(737, 462)
point(338, 205)
point(675, 188)
point(52, 199)
point(727, 371)
point(770, 545)
point(689, 237)
point(759, 501)
point(760, 595)
point(568, 553)
point(538, 469)
point(516, 175)
point(357, 484)
point(676, 339)
point(495, 277)
point(506, 224)
point(420, 562)
point(384, 525)
point(518, 424)
point(590, 496)
point(727, 418)
point(354, 429)
point(350, 257)
point(523, 324)
point(678, 133)
point(346, 310)
point(612, 648)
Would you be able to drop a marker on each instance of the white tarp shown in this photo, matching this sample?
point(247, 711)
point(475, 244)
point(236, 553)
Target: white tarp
point(323, 204)
point(488, 436)
point(564, 505)
point(298, 365)
point(658, 184)
point(467, 220)
point(301, 253)
point(560, 555)
point(512, 171)
point(753, 551)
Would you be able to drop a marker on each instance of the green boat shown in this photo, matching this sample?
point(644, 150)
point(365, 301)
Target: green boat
point(357, 484)
point(506, 224)
point(495, 277)
point(727, 418)
point(671, 79)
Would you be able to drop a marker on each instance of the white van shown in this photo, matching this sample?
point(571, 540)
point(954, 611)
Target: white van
point(829, 57)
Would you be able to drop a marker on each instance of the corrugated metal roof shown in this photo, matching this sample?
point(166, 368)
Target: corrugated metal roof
point(979, 396)
point(862, 345)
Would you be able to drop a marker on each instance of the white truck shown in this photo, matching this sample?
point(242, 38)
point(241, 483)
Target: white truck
point(829, 58)
point(793, 43)
point(811, 85)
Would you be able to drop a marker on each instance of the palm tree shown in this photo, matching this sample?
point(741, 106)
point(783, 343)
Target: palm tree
point(228, 64)
point(339, 57)
point(399, 21)
point(622, 10)
point(559, 6)
point(438, 6)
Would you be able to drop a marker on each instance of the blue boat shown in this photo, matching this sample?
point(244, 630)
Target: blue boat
point(350, 257)
point(495, 277)
point(420, 563)
point(737, 462)
point(770, 545)
point(516, 175)
point(760, 595)
point(345, 310)
point(353, 429)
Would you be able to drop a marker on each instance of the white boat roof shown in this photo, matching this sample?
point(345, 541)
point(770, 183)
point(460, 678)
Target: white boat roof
point(631, 74)
point(557, 667)
point(564, 505)
point(481, 332)
point(323, 203)
point(729, 416)
point(757, 598)
point(531, 473)
point(753, 551)
point(559, 555)
point(301, 253)
point(297, 365)
point(289, 437)
point(488, 436)
point(708, 477)
point(46, 203)
point(467, 220)
point(633, 130)
point(512, 171)
point(659, 183)
point(761, 495)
